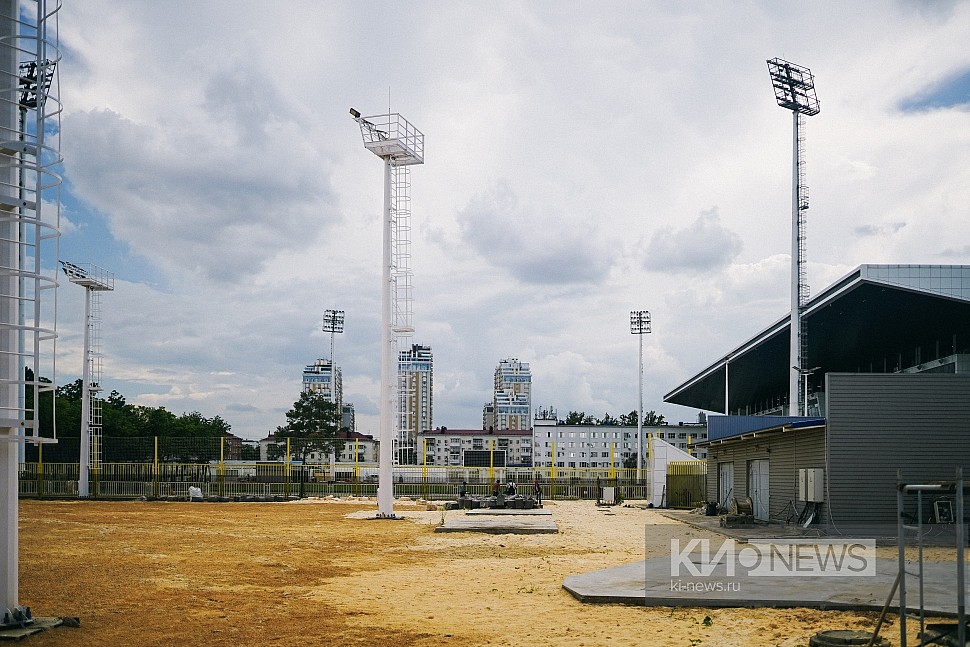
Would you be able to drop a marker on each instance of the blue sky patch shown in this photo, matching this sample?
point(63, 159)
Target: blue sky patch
point(952, 92)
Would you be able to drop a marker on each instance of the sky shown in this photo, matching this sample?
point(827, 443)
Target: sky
point(582, 160)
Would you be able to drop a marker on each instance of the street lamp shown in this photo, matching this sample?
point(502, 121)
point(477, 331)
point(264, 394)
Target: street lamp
point(640, 325)
point(400, 145)
point(794, 88)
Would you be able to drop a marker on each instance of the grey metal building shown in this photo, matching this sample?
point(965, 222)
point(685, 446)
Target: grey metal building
point(891, 392)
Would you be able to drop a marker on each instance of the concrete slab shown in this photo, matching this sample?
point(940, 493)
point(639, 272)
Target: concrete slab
point(509, 512)
point(650, 583)
point(501, 524)
point(39, 625)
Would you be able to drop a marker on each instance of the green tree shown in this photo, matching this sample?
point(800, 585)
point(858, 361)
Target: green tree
point(579, 418)
point(313, 423)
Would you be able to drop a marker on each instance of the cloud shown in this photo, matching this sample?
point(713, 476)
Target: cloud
point(703, 246)
point(546, 246)
point(886, 229)
point(215, 193)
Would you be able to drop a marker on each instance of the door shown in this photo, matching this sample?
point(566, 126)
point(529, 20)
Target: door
point(758, 487)
point(725, 483)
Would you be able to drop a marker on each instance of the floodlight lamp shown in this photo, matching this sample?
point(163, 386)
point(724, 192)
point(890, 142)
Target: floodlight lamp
point(355, 113)
point(794, 87)
point(639, 321)
point(333, 321)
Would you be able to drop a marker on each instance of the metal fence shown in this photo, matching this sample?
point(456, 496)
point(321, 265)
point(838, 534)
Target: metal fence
point(163, 467)
point(239, 480)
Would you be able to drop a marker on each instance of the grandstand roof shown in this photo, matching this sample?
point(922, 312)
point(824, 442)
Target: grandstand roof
point(877, 318)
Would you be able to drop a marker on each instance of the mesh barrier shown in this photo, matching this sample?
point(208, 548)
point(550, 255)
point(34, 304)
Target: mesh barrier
point(165, 467)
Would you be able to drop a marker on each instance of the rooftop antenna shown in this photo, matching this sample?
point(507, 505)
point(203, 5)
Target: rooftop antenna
point(794, 88)
point(392, 138)
point(94, 280)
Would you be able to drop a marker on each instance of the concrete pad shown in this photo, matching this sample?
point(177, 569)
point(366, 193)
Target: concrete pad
point(501, 524)
point(39, 625)
point(650, 583)
point(509, 512)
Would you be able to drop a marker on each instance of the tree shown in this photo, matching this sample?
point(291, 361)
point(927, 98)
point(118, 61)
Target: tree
point(313, 423)
point(608, 420)
point(650, 419)
point(579, 418)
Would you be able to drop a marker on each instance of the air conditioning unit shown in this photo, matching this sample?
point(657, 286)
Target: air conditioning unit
point(811, 484)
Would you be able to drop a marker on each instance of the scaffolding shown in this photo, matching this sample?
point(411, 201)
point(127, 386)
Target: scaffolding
point(941, 514)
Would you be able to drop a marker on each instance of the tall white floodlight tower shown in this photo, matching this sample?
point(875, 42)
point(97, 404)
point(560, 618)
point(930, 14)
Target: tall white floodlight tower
point(333, 323)
point(392, 138)
point(640, 326)
point(795, 90)
point(29, 229)
point(94, 280)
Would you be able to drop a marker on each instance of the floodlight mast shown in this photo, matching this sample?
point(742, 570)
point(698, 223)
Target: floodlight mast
point(794, 88)
point(399, 144)
point(639, 326)
point(333, 322)
point(29, 229)
point(94, 280)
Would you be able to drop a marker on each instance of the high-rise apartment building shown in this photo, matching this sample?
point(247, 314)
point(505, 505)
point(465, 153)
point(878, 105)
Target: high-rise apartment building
point(512, 397)
point(416, 378)
point(319, 377)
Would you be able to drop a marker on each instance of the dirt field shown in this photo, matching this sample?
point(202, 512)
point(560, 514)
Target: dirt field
point(319, 573)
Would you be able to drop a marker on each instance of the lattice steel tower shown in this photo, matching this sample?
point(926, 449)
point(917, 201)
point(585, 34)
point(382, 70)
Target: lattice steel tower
point(794, 88)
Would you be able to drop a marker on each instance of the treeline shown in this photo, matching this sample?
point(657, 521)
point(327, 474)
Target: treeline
point(650, 419)
point(128, 430)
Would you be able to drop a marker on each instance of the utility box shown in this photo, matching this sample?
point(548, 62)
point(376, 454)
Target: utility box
point(811, 484)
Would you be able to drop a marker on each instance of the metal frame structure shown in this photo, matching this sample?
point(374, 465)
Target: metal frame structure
point(639, 326)
point(94, 280)
point(794, 88)
point(955, 488)
point(29, 230)
point(400, 145)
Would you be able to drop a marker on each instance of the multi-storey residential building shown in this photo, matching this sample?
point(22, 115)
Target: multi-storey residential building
point(364, 445)
point(416, 405)
point(512, 397)
point(470, 447)
point(321, 377)
point(348, 417)
point(599, 446)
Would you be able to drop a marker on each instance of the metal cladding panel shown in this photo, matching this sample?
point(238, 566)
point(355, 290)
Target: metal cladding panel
point(786, 452)
point(879, 424)
point(719, 427)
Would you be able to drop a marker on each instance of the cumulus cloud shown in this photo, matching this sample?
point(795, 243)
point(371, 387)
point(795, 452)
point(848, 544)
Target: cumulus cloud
point(533, 245)
point(214, 198)
point(885, 229)
point(703, 246)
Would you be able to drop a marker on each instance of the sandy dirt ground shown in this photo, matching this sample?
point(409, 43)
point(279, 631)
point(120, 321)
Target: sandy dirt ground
point(321, 573)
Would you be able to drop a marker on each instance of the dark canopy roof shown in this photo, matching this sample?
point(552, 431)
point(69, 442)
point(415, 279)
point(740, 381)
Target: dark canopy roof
point(878, 318)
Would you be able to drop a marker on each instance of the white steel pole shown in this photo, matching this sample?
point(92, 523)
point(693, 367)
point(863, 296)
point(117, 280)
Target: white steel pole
point(9, 306)
point(85, 457)
point(385, 470)
point(333, 397)
point(640, 406)
point(796, 333)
